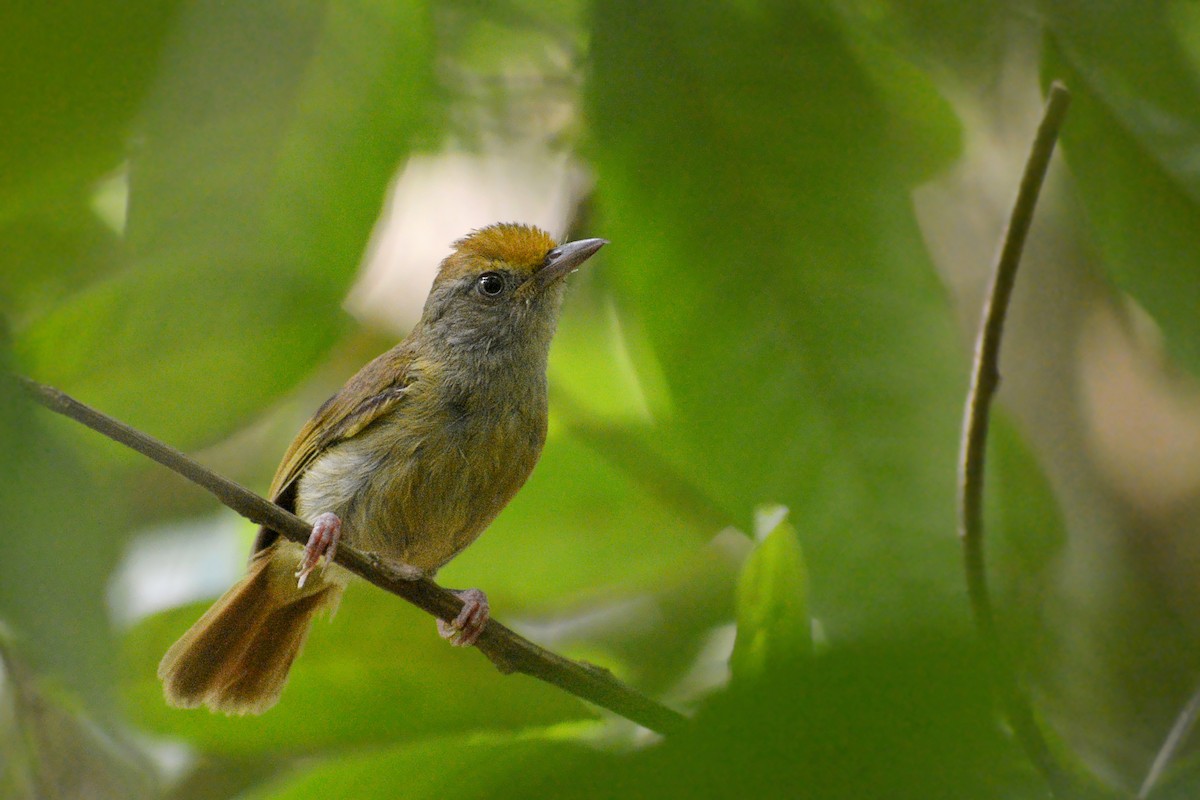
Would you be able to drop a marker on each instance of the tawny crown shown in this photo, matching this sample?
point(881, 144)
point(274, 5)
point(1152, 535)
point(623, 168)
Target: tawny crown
point(516, 246)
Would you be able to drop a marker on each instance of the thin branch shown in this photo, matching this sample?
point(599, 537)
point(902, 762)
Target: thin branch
point(509, 651)
point(1171, 746)
point(984, 380)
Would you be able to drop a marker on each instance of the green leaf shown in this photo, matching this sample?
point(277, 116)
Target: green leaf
point(923, 132)
point(907, 717)
point(774, 629)
point(52, 749)
point(466, 766)
point(1132, 140)
point(269, 141)
point(47, 256)
point(305, 113)
point(72, 76)
point(764, 242)
point(1025, 534)
point(187, 376)
point(62, 538)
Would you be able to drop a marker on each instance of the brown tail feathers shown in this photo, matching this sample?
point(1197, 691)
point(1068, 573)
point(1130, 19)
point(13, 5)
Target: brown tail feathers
point(236, 658)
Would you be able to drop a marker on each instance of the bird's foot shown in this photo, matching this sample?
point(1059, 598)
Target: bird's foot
point(323, 541)
point(465, 629)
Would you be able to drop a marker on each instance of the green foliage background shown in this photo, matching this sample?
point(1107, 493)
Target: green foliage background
point(754, 166)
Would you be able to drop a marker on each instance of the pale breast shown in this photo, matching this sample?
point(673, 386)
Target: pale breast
point(419, 490)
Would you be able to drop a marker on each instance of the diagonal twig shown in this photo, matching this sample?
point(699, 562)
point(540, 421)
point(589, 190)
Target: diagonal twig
point(1176, 738)
point(985, 378)
point(509, 651)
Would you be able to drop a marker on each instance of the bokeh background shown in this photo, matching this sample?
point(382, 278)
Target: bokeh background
point(212, 213)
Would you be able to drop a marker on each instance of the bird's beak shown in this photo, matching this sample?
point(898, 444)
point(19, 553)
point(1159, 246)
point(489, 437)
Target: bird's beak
point(565, 259)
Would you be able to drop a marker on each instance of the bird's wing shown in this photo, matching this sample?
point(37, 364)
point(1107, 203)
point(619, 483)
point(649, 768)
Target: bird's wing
point(373, 392)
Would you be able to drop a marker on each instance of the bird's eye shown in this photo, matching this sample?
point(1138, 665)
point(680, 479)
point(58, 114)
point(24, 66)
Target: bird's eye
point(490, 284)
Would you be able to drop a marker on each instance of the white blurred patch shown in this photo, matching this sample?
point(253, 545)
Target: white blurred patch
point(175, 760)
point(710, 671)
point(436, 200)
point(767, 518)
point(110, 200)
point(175, 564)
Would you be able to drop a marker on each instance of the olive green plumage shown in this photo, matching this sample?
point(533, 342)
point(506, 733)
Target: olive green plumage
point(416, 455)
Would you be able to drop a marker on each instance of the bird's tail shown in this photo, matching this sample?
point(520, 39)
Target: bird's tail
point(236, 658)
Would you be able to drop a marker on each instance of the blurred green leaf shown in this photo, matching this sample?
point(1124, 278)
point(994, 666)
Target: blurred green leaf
point(378, 672)
point(905, 718)
point(275, 129)
point(1133, 142)
point(268, 143)
point(61, 541)
point(923, 131)
point(764, 241)
point(773, 626)
point(170, 349)
point(52, 751)
point(48, 255)
point(72, 76)
point(896, 717)
point(1026, 535)
point(1180, 780)
point(952, 40)
point(467, 766)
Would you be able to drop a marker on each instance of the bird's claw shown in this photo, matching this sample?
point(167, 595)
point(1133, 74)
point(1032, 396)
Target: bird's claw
point(466, 628)
point(323, 541)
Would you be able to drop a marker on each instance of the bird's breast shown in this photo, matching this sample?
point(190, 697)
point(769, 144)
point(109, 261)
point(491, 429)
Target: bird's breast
point(422, 483)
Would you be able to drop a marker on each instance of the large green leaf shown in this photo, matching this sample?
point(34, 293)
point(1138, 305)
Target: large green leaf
point(763, 240)
point(52, 750)
point(130, 347)
point(900, 719)
point(61, 537)
point(474, 765)
point(72, 76)
point(909, 717)
point(1132, 140)
point(266, 148)
point(1025, 536)
point(48, 255)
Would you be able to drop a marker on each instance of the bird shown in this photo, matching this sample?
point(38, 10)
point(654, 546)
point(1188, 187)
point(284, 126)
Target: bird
point(410, 461)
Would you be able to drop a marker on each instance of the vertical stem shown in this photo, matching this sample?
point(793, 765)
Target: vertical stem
point(984, 380)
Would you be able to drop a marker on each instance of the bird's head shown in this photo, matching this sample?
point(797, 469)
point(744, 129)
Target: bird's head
point(501, 287)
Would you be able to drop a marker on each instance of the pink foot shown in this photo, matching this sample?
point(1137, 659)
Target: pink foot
point(323, 541)
point(464, 631)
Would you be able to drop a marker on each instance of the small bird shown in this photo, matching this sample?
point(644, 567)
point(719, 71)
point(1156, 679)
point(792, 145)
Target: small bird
point(411, 460)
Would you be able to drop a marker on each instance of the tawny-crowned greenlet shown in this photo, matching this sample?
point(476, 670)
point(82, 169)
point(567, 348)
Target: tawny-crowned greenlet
point(411, 460)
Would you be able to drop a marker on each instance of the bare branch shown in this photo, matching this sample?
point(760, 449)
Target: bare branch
point(985, 378)
point(1176, 739)
point(509, 651)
